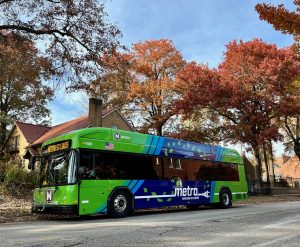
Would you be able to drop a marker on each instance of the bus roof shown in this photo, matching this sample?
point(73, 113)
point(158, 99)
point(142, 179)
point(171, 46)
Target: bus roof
point(133, 142)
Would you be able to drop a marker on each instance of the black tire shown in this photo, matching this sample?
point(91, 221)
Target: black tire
point(120, 204)
point(225, 199)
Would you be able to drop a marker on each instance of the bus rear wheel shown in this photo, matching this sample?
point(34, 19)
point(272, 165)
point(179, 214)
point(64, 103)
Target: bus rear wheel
point(225, 199)
point(120, 204)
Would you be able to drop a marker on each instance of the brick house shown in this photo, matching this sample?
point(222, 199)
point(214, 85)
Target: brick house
point(287, 166)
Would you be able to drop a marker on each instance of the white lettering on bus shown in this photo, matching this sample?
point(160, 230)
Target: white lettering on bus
point(186, 191)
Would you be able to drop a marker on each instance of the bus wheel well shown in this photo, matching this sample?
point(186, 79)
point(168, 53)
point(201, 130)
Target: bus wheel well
point(121, 190)
point(225, 188)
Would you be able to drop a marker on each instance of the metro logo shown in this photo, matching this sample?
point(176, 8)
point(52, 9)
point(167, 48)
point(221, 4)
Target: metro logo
point(190, 192)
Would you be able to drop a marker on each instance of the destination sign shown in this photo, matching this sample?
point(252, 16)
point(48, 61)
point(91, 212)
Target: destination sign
point(57, 147)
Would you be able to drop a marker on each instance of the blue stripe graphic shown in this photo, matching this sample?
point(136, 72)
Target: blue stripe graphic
point(138, 185)
point(133, 184)
point(153, 144)
point(149, 144)
point(159, 145)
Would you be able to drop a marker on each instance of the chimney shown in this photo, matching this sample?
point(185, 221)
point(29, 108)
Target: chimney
point(95, 112)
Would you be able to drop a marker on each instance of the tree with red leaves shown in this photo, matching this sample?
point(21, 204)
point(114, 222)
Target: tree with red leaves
point(287, 22)
point(251, 89)
point(282, 19)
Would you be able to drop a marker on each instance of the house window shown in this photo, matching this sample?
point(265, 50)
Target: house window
point(14, 144)
point(16, 141)
point(114, 126)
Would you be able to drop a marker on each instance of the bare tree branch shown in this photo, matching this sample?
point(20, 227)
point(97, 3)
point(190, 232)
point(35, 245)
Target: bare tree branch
point(6, 1)
point(289, 129)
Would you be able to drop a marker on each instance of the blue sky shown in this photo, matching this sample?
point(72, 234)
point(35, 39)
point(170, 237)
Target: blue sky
point(199, 29)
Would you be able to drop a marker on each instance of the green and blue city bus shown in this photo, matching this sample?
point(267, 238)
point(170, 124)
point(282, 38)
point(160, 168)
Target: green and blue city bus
point(101, 170)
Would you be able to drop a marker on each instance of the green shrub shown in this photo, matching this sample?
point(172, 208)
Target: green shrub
point(15, 179)
point(3, 168)
point(32, 179)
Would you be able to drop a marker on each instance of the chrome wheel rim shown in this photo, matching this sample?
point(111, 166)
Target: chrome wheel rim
point(226, 199)
point(120, 203)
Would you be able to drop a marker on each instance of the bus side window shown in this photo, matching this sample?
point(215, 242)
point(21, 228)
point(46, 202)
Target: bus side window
point(109, 166)
point(174, 167)
point(205, 171)
point(86, 165)
point(226, 172)
point(82, 171)
point(113, 165)
point(200, 170)
point(133, 166)
point(157, 168)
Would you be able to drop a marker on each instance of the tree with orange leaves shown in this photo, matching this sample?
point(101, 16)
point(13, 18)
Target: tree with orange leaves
point(141, 83)
point(155, 64)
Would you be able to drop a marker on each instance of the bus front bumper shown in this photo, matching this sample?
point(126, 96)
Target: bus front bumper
point(55, 209)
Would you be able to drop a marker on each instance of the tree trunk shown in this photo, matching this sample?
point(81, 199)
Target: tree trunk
point(3, 127)
point(266, 162)
point(159, 130)
point(297, 147)
point(270, 148)
point(294, 136)
point(258, 160)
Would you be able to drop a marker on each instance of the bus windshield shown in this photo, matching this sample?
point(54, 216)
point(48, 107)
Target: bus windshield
point(59, 168)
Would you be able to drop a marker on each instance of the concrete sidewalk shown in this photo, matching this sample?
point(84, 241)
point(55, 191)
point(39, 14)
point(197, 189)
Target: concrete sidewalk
point(260, 199)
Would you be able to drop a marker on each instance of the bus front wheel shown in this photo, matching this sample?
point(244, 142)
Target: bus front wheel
point(225, 198)
point(120, 204)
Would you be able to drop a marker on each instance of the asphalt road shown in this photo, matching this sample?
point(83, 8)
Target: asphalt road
point(273, 225)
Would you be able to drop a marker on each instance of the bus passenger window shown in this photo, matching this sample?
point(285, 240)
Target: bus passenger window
point(86, 165)
point(113, 165)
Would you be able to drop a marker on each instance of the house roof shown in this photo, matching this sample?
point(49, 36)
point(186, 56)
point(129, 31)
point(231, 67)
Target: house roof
point(75, 124)
point(31, 132)
point(30, 152)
